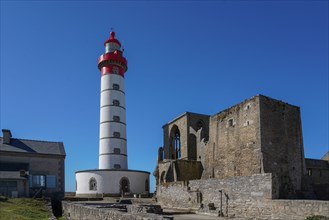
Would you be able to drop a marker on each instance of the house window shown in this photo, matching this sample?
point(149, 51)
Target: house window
point(92, 184)
point(116, 102)
point(51, 181)
point(116, 150)
point(116, 134)
point(116, 86)
point(116, 118)
point(37, 181)
point(230, 123)
point(117, 166)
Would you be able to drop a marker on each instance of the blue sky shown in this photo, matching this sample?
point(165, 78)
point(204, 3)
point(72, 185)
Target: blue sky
point(197, 56)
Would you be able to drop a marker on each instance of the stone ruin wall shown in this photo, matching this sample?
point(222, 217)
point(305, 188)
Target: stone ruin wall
point(247, 197)
point(181, 123)
point(282, 145)
point(234, 142)
point(240, 196)
point(186, 123)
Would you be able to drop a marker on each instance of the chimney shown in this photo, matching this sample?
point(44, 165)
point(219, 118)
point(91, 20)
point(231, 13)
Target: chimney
point(6, 136)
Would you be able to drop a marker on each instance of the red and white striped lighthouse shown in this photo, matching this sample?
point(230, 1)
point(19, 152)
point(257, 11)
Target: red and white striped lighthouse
point(112, 178)
point(112, 140)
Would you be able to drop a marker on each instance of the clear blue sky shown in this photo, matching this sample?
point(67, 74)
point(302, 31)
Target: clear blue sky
point(197, 56)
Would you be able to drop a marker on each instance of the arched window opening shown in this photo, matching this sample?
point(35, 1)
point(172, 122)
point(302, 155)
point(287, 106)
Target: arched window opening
point(199, 125)
point(177, 144)
point(92, 184)
point(174, 143)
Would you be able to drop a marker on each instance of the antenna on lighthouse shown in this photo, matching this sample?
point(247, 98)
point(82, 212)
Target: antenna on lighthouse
point(123, 45)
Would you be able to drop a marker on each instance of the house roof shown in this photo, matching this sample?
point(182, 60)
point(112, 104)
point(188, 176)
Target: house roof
point(32, 146)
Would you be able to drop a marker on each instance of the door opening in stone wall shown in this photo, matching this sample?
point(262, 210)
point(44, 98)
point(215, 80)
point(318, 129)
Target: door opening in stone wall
point(124, 186)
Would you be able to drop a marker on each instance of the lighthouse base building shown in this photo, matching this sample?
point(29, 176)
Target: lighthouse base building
point(113, 178)
point(107, 183)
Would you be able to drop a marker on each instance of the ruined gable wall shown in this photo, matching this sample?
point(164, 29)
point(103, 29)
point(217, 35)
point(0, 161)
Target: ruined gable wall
point(181, 123)
point(195, 151)
point(234, 142)
point(282, 144)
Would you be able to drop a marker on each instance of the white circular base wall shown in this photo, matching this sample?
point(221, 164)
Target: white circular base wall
point(110, 182)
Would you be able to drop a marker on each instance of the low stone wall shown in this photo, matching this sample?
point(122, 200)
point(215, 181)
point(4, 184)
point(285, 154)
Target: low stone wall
point(299, 209)
point(76, 211)
point(177, 195)
point(248, 197)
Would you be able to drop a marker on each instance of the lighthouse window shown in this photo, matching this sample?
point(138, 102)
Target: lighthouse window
point(116, 118)
point(116, 134)
point(116, 86)
point(117, 166)
point(116, 150)
point(115, 70)
point(116, 102)
point(92, 184)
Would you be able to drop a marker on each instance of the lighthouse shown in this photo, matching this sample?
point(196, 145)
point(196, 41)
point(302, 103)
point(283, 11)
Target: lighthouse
point(112, 178)
point(112, 138)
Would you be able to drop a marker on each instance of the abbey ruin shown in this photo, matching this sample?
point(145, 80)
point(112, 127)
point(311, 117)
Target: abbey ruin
point(245, 161)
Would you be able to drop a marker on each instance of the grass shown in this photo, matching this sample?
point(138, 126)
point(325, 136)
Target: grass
point(23, 209)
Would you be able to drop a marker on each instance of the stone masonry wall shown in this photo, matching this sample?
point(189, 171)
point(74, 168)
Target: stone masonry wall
point(241, 197)
point(298, 209)
point(248, 196)
point(181, 123)
point(76, 211)
point(282, 145)
point(234, 147)
point(187, 143)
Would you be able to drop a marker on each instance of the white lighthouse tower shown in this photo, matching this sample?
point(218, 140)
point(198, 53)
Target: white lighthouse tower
point(112, 139)
point(113, 178)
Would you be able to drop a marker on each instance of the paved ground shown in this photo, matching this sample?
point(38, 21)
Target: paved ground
point(183, 215)
point(176, 214)
point(193, 217)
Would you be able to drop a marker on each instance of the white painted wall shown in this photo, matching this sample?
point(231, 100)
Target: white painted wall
point(108, 181)
point(108, 126)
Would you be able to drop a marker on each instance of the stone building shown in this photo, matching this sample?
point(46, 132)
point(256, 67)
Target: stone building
point(252, 150)
point(318, 171)
point(31, 167)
